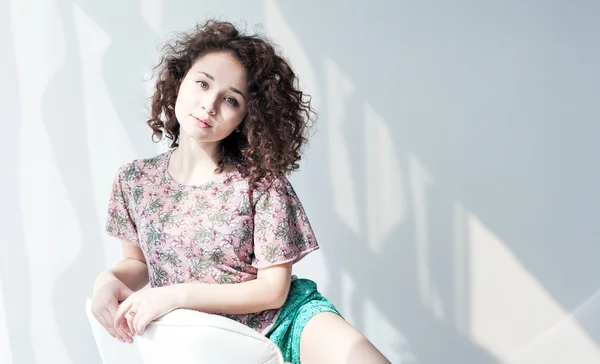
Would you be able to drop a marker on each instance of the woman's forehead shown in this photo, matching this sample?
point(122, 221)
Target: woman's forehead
point(222, 68)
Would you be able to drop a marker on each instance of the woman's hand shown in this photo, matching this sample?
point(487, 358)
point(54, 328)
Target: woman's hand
point(143, 307)
point(105, 303)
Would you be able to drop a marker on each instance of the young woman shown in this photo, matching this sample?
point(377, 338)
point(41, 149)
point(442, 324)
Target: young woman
point(213, 224)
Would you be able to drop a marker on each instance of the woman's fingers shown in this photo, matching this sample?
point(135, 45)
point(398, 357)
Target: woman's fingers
point(130, 316)
point(111, 328)
point(102, 320)
point(141, 321)
point(121, 311)
point(124, 333)
point(118, 320)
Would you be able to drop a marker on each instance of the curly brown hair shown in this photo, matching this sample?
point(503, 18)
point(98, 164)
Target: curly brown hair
point(279, 116)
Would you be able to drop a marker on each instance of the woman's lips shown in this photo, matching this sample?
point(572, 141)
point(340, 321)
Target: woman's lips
point(203, 123)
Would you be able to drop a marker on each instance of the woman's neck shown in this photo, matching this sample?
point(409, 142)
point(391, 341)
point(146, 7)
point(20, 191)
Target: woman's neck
point(193, 163)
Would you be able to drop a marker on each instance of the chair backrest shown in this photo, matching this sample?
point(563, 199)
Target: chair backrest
point(187, 336)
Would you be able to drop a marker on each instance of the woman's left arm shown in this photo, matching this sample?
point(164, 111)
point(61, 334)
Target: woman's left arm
point(268, 291)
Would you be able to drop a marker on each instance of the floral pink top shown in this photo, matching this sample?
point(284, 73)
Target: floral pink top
point(218, 232)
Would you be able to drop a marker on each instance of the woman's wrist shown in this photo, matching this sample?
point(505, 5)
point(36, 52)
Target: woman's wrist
point(103, 278)
point(178, 294)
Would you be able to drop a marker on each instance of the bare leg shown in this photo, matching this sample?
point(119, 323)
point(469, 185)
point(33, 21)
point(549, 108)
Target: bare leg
point(328, 338)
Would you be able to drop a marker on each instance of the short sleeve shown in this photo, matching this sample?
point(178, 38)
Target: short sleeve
point(282, 232)
point(120, 222)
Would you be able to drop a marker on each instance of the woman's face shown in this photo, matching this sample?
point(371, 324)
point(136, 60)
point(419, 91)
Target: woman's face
point(212, 99)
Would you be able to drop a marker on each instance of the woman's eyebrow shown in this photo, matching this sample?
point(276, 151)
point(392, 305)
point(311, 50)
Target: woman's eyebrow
point(237, 92)
point(207, 75)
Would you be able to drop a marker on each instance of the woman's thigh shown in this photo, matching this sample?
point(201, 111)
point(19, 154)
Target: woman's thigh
point(328, 338)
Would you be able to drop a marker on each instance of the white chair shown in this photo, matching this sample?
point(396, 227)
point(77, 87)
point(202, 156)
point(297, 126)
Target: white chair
point(187, 336)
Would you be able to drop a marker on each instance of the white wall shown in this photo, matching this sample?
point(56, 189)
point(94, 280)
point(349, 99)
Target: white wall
point(452, 180)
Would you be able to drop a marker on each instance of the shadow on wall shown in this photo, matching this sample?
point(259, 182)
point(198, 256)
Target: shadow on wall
point(14, 264)
point(436, 82)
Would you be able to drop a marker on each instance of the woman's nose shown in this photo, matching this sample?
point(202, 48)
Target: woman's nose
point(208, 104)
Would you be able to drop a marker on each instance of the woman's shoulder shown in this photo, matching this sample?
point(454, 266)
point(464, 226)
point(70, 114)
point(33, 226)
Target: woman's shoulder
point(142, 167)
point(278, 185)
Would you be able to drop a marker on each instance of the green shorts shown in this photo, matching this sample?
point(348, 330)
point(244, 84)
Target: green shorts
point(303, 302)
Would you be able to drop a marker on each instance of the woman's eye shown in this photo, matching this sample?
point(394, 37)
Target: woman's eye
point(202, 84)
point(231, 101)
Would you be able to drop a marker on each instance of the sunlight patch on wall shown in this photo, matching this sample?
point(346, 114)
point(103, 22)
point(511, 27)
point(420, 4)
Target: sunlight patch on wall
point(348, 288)
point(510, 309)
point(565, 342)
point(339, 87)
point(386, 204)
point(420, 181)
point(460, 272)
point(151, 12)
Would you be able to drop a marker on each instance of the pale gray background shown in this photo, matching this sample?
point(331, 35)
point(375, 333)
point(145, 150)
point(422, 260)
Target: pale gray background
point(452, 180)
